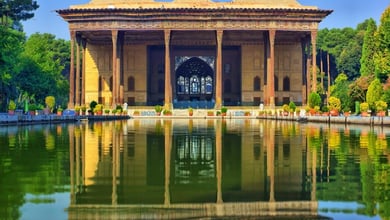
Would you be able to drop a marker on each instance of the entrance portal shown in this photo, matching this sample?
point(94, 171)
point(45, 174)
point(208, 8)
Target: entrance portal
point(194, 78)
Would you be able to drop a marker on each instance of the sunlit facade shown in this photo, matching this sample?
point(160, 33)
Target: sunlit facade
point(197, 53)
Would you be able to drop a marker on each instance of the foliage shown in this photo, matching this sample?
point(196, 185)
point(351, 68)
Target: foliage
point(17, 10)
point(224, 109)
point(334, 103)
point(50, 102)
point(364, 107)
point(340, 90)
point(92, 105)
point(357, 89)
point(190, 109)
point(11, 45)
point(11, 105)
point(158, 108)
point(382, 54)
point(314, 100)
point(374, 92)
point(119, 109)
point(380, 105)
point(367, 60)
point(292, 106)
point(286, 108)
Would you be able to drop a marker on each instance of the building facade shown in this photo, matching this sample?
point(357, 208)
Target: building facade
point(195, 53)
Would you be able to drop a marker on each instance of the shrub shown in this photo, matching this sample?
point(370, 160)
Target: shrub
point(334, 103)
point(292, 106)
point(364, 107)
point(92, 105)
point(286, 108)
point(158, 108)
point(380, 105)
point(50, 102)
point(224, 109)
point(314, 100)
point(11, 105)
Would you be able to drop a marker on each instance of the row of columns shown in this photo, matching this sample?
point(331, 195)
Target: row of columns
point(77, 96)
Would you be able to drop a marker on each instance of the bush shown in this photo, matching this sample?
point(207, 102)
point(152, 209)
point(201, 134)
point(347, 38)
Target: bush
point(380, 105)
point(364, 107)
point(314, 100)
point(92, 105)
point(50, 102)
point(292, 106)
point(11, 105)
point(334, 103)
point(224, 109)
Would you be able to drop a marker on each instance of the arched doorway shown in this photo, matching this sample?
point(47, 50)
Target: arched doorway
point(194, 78)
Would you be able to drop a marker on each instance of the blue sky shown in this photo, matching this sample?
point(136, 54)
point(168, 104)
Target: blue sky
point(347, 13)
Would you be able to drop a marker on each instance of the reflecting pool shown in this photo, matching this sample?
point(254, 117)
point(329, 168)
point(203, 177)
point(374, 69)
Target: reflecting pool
point(194, 169)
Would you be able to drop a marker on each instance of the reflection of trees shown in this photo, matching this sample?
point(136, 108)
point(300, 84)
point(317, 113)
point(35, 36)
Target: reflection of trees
point(31, 165)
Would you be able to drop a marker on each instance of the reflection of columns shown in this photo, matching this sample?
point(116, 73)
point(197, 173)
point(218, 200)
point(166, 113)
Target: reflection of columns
point(168, 149)
point(271, 69)
point(71, 70)
point(218, 146)
point(116, 143)
point(83, 76)
point(168, 85)
point(314, 60)
point(270, 143)
point(218, 72)
point(77, 86)
point(71, 163)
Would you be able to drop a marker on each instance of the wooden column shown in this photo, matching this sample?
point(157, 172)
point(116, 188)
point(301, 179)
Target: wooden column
point(83, 74)
point(218, 71)
point(119, 67)
point(314, 60)
point(271, 69)
point(71, 70)
point(114, 36)
point(305, 82)
point(77, 86)
point(168, 85)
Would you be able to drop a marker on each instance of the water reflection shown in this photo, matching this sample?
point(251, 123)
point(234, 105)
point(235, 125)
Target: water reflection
point(169, 169)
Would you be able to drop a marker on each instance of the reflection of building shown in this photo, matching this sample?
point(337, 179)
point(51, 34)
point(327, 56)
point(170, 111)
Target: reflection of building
point(172, 165)
point(187, 52)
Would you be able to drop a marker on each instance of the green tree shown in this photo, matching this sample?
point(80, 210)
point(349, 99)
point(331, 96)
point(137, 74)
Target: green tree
point(17, 10)
point(374, 93)
point(367, 60)
point(48, 58)
point(382, 55)
point(340, 90)
point(11, 45)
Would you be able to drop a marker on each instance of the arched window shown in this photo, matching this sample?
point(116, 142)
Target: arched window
point(209, 85)
point(227, 87)
point(130, 83)
point(256, 84)
point(286, 84)
point(276, 83)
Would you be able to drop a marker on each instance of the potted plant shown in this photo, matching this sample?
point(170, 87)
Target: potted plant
point(364, 107)
point(167, 112)
point(98, 109)
point(334, 105)
point(136, 113)
point(190, 111)
point(50, 102)
point(59, 110)
point(83, 109)
point(158, 109)
point(224, 110)
point(11, 107)
point(77, 109)
point(292, 107)
point(286, 109)
point(107, 111)
point(210, 113)
point(380, 107)
point(314, 101)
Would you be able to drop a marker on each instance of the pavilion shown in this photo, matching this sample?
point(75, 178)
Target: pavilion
point(197, 53)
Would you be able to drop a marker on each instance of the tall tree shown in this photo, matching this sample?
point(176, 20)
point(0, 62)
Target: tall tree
point(49, 57)
point(17, 10)
point(382, 55)
point(11, 45)
point(367, 65)
point(340, 90)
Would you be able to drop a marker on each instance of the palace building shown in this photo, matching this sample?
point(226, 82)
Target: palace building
point(198, 53)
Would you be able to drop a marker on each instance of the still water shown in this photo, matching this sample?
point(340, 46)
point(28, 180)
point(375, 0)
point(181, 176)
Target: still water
point(194, 169)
